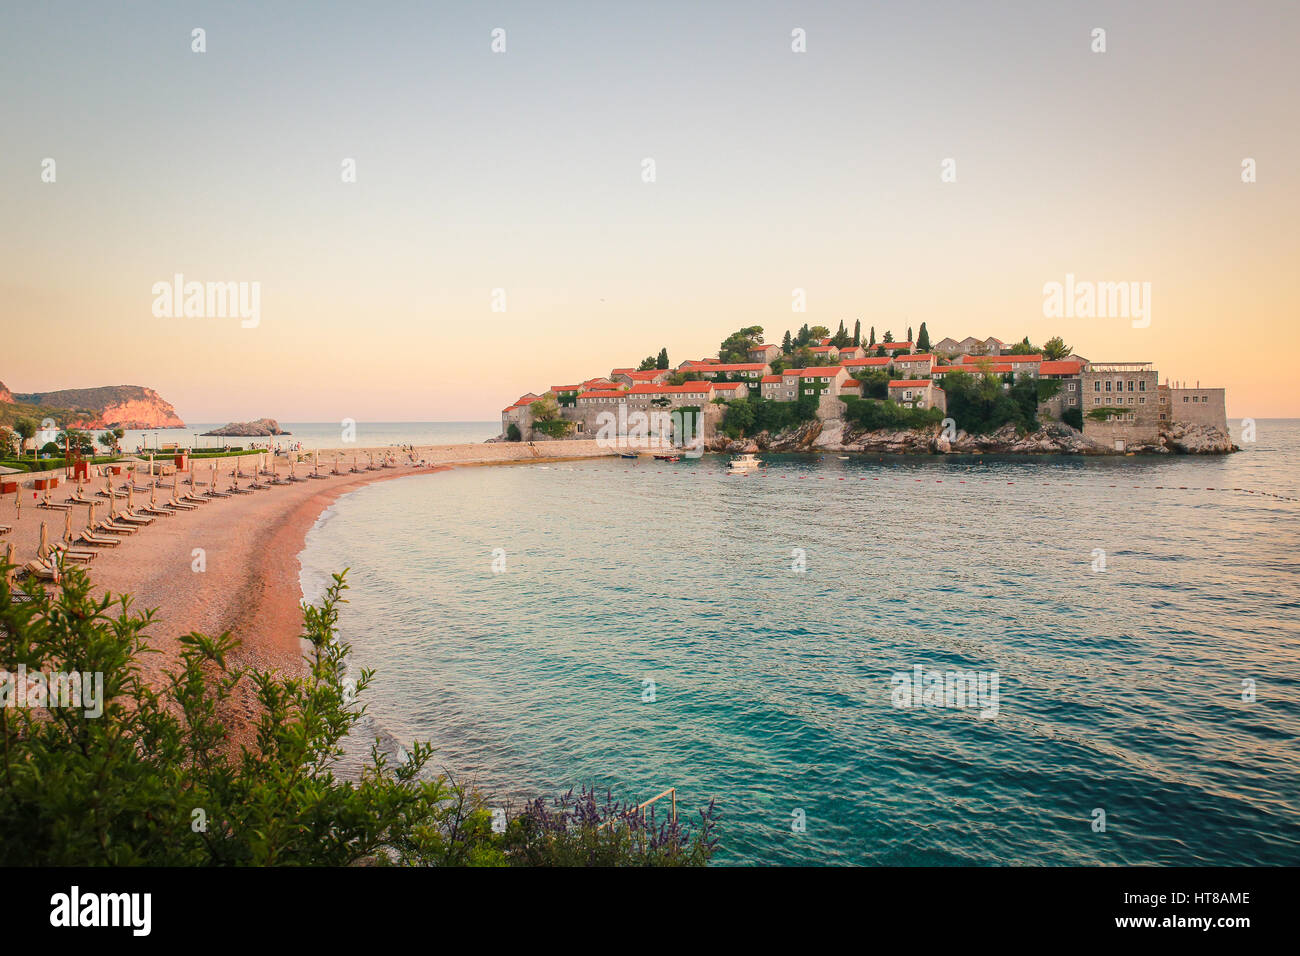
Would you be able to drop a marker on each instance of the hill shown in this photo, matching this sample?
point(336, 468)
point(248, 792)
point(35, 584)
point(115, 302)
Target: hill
point(125, 406)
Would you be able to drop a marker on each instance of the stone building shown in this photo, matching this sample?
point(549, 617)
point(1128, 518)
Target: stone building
point(1194, 406)
point(1125, 393)
point(1068, 372)
point(917, 393)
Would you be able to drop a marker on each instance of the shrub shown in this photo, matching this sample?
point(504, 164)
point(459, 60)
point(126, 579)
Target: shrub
point(155, 778)
point(1074, 418)
point(874, 415)
point(512, 433)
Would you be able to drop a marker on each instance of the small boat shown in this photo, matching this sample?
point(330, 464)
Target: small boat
point(842, 457)
point(744, 463)
point(667, 458)
point(627, 454)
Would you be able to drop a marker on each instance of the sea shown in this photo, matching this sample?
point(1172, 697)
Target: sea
point(320, 435)
point(1124, 634)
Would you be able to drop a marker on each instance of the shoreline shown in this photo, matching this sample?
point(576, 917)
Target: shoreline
point(234, 564)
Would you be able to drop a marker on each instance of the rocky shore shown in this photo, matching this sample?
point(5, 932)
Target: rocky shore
point(1053, 438)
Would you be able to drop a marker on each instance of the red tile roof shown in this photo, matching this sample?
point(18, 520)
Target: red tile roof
point(823, 348)
point(820, 371)
point(566, 388)
point(1060, 368)
point(866, 362)
point(770, 379)
point(910, 383)
point(737, 367)
point(998, 367)
point(685, 387)
point(970, 359)
point(891, 345)
point(602, 393)
point(851, 383)
point(919, 357)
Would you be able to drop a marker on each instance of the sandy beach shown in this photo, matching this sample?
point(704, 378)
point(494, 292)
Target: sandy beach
point(250, 548)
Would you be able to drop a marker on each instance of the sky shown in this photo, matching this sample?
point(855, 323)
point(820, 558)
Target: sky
point(524, 171)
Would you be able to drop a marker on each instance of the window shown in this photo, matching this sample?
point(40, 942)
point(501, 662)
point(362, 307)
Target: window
point(1142, 400)
point(1130, 385)
point(1096, 401)
point(1096, 385)
point(1184, 398)
point(1069, 386)
point(1142, 385)
point(1108, 385)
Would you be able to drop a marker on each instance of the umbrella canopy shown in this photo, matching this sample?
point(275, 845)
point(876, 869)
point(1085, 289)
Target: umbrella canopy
point(153, 492)
point(9, 560)
point(291, 458)
point(315, 461)
point(112, 503)
point(67, 526)
point(90, 516)
point(43, 550)
point(130, 497)
point(18, 502)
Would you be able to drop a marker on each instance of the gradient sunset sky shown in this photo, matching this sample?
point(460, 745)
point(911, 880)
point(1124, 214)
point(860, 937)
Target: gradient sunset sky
point(523, 171)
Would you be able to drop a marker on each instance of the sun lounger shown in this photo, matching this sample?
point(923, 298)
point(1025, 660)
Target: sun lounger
point(5, 529)
point(123, 518)
point(160, 512)
point(181, 506)
point(99, 541)
point(38, 570)
point(213, 493)
point(75, 554)
point(53, 506)
point(196, 499)
point(112, 528)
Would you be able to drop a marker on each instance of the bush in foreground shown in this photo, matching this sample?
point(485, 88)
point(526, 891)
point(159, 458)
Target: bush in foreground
point(155, 779)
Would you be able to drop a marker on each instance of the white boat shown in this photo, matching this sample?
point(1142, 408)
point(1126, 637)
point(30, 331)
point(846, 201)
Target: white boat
point(744, 463)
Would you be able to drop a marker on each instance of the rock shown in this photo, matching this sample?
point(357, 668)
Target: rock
point(262, 428)
point(1186, 439)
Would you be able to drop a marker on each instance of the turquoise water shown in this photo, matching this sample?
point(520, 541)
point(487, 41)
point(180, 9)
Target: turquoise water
point(1119, 690)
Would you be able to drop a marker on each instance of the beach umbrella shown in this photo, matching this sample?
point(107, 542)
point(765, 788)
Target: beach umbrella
point(153, 493)
point(90, 516)
point(291, 470)
point(18, 502)
point(213, 471)
point(43, 551)
point(112, 503)
point(9, 560)
point(130, 498)
point(67, 526)
point(315, 461)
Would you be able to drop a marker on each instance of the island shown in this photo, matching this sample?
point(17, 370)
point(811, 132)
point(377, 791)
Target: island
point(849, 392)
point(262, 428)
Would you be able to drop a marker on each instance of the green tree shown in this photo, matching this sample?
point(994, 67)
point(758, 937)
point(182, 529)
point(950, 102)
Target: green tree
point(647, 363)
point(909, 335)
point(26, 429)
point(108, 440)
point(923, 340)
point(513, 433)
point(735, 347)
point(787, 344)
point(1055, 349)
point(841, 338)
point(872, 341)
point(818, 332)
point(857, 331)
point(1023, 348)
point(661, 363)
point(889, 337)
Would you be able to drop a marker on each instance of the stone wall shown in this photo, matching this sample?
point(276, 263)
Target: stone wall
point(1203, 406)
